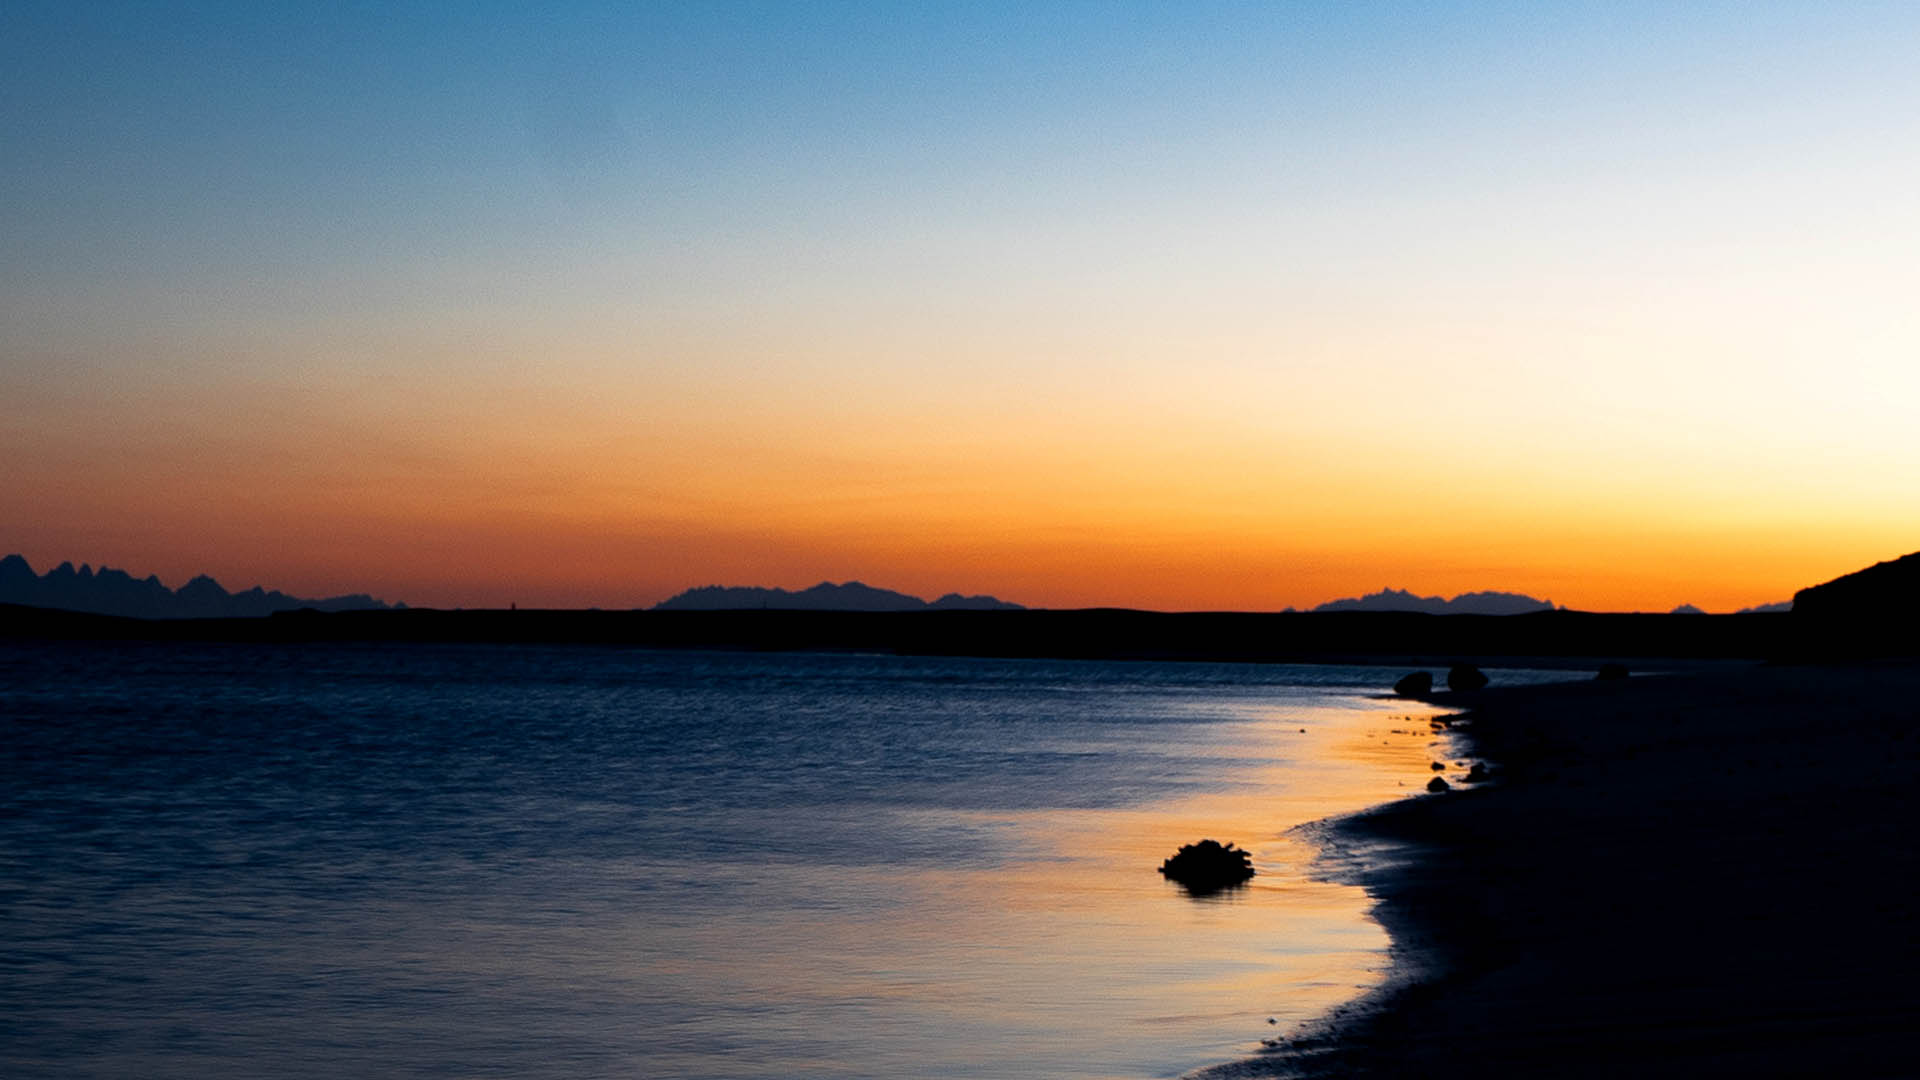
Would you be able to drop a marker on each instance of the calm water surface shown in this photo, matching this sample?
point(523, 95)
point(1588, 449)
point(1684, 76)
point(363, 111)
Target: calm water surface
point(413, 861)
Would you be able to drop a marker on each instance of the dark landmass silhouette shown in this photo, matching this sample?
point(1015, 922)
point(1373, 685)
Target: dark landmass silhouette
point(1868, 614)
point(1871, 612)
point(1780, 608)
point(1473, 603)
point(1880, 589)
point(1093, 634)
point(826, 596)
point(115, 592)
point(1687, 609)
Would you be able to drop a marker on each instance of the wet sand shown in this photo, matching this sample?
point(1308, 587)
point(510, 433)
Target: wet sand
point(1692, 875)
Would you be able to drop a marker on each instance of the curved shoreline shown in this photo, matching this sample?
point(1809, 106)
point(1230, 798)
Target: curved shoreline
point(1687, 875)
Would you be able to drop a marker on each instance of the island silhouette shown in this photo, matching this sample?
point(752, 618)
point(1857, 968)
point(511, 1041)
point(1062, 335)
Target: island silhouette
point(1471, 603)
point(826, 596)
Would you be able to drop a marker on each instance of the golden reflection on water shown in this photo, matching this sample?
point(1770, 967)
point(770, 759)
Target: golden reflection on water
point(1079, 946)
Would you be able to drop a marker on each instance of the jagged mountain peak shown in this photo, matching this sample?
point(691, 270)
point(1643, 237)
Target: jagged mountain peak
point(108, 591)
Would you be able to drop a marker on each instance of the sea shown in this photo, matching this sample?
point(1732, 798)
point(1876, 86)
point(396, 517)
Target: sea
point(229, 860)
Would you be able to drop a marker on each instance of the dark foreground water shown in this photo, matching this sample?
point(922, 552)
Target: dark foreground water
point(413, 861)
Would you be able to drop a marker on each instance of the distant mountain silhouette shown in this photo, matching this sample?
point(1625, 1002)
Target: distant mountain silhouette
point(1687, 609)
point(1767, 609)
point(1473, 603)
point(115, 592)
point(826, 596)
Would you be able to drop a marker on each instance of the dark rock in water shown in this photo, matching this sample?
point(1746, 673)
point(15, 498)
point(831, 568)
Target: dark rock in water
point(1418, 684)
point(1612, 671)
point(1465, 677)
point(1208, 866)
point(1437, 785)
point(1478, 773)
point(1439, 766)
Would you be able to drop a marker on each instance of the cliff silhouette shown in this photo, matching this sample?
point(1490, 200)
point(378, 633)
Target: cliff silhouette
point(1869, 612)
point(1881, 589)
point(826, 596)
point(115, 592)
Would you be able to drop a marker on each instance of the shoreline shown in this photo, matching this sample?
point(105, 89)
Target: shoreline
point(1693, 874)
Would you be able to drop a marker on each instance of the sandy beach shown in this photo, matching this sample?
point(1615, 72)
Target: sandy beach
point(1704, 874)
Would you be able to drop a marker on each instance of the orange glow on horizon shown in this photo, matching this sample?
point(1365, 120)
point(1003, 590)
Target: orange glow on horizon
point(468, 555)
point(557, 496)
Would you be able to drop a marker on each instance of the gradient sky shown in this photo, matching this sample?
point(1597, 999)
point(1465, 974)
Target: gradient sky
point(1174, 306)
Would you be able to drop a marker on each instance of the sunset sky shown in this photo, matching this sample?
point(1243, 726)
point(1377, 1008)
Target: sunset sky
point(1171, 306)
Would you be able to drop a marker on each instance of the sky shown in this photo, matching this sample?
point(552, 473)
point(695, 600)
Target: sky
point(1211, 306)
